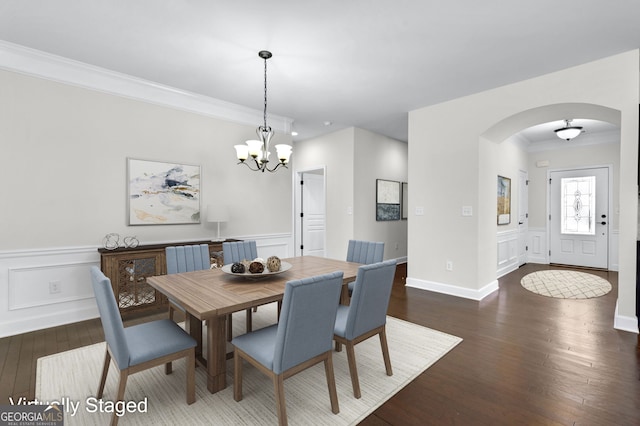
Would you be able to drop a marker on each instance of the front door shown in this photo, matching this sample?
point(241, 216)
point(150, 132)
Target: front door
point(579, 217)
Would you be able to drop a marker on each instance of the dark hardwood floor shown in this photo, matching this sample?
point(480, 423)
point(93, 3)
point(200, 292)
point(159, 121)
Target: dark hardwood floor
point(525, 359)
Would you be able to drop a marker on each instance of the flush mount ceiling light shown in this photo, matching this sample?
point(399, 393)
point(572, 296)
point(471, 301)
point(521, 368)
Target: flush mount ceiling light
point(258, 150)
point(568, 132)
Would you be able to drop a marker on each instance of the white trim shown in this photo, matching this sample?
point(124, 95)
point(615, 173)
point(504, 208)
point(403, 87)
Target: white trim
point(507, 252)
point(15, 304)
point(24, 60)
point(453, 290)
point(26, 325)
point(625, 323)
point(537, 242)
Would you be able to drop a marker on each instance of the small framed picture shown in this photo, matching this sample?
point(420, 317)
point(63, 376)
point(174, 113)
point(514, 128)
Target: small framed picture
point(387, 200)
point(504, 200)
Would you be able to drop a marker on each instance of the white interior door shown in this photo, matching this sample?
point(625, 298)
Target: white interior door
point(523, 216)
point(579, 217)
point(312, 214)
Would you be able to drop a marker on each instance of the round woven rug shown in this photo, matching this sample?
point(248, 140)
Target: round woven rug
point(566, 284)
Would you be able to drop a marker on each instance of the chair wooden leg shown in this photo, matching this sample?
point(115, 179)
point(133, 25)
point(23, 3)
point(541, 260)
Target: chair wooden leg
point(338, 346)
point(124, 375)
point(249, 320)
point(353, 369)
point(168, 368)
point(191, 377)
point(385, 352)
point(331, 383)
point(171, 311)
point(105, 372)
point(237, 376)
point(281, 408)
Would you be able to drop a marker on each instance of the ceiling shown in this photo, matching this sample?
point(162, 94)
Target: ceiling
point(362, 63)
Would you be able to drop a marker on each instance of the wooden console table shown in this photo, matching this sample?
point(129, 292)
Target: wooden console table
point(128, 269)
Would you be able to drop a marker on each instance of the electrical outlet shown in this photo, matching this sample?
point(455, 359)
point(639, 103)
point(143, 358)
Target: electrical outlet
point(54, 287)
point(449, 265)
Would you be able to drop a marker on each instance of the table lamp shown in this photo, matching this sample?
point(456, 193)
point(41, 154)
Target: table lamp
point(217, 213)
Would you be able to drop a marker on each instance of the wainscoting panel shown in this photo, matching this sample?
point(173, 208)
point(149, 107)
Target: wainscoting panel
point(507, 252)
point(45, 288)
point(50, 287)
point(537, 243)
point(40, 285)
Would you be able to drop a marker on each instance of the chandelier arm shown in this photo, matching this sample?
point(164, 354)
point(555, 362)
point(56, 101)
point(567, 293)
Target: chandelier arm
point(276, 167)
point(249, 166)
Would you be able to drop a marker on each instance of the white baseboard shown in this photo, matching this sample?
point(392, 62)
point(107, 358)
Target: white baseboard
point(452, 290)
point(625, 323)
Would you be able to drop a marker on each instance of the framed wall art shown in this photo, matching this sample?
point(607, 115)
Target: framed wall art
point(405, 201)
point(162, 193)
point(504, 200)
point(387, 200)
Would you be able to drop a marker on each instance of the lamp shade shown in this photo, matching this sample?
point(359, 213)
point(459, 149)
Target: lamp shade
point(217, 213)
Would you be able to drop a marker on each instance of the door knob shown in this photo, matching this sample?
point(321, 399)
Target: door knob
point(603, 216)
point(603, 223)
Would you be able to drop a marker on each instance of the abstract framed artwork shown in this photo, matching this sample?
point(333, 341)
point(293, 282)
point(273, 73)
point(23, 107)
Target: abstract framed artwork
point(162, 193)
point(504, 200)
point(387, 200)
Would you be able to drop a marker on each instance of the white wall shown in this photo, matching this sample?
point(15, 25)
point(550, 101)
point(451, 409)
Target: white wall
point(378, 157)
point(354, 159)
point(450, 166)
point(63, 162)
point(334, 151)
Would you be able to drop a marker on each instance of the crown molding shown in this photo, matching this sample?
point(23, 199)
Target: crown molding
point(24, 60)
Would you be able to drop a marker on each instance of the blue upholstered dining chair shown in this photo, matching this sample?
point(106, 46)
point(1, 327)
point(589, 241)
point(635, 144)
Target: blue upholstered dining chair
point(302, 338)
point(366, 315)
point(237, 251)
point(139, 347)
point(185, 259)
point(365, 252)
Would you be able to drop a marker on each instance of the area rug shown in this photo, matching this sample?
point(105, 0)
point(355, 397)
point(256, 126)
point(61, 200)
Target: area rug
point(74, 375)
point(566, 284)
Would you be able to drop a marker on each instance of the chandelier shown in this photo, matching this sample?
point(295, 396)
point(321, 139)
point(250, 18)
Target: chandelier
point(568, 132)
point(258, 150)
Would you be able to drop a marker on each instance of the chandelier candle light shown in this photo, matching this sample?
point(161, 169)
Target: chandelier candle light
point(258, 150)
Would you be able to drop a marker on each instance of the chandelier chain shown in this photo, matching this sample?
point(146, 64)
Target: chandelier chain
point(265, 93)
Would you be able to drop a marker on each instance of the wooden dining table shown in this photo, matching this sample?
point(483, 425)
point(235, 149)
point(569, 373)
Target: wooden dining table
point(211, 295)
